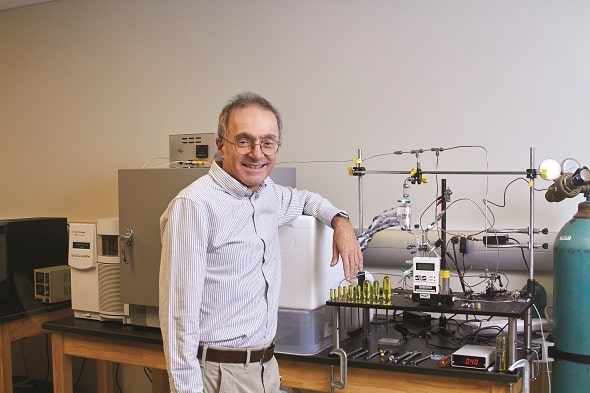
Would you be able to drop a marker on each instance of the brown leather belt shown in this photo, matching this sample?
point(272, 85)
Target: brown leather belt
point(237, 355)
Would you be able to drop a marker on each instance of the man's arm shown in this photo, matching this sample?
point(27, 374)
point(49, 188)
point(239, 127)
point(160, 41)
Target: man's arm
point(180, 290)
point(346, 246)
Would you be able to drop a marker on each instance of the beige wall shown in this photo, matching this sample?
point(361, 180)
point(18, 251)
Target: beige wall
point(88, 87)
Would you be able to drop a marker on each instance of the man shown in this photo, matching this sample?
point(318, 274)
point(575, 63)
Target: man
point(220, 267)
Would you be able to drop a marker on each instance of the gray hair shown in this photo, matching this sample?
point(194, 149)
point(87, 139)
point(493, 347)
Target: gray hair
point(243, 100)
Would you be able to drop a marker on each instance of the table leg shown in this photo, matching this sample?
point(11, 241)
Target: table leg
point(104, 376)
point(160, 383)
point(62, 365)
point(5, 360)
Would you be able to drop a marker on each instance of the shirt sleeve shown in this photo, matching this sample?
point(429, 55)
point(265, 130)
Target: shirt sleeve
point(295, 202)
point(181, 280)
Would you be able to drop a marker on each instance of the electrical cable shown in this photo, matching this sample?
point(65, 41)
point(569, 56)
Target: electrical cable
point(522, 252)
point(117, 378)
point(155, 158)
point(147, 371)
point(80, 372)
point(544, 346)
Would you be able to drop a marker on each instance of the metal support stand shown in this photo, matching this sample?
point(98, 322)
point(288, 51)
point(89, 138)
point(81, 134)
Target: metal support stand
point(512, 344)
point(531, 174)
point(335, 327)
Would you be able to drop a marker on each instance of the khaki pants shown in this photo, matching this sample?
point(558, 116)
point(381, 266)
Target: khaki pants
point(241, 377)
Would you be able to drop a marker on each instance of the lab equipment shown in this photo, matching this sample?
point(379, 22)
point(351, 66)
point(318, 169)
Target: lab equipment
point(473, 356)
point(304, 320)
point(143, 196)
point(396, 216)
point(95, 266)
point(568, 185)
point(415, 362)
point(426, 275)
point(502, 351)
point(571, 293)
point(52, 284)
point(444, 362)
point(571, 267)
point(386, 290)
point(25, 245)
point(191, 150)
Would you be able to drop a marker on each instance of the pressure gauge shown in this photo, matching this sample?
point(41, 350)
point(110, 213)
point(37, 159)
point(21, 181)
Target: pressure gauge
point(569, 165)
point(549, 169)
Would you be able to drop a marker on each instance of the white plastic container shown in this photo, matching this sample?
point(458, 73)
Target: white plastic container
point(304, 332)
point(306, 252)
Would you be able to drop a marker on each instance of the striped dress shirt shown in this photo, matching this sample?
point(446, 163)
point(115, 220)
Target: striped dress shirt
point(220, 269)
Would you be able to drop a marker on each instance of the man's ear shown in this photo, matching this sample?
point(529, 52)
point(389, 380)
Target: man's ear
point(220, 146)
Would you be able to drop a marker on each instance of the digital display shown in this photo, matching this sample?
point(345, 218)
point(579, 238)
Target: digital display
point(81, 245)
point(39, 277)
point(472, 362)
point(425, 266)
point(202, 151)
point(468, 361)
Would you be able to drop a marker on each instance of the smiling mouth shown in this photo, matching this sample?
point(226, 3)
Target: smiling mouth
point(254, 166)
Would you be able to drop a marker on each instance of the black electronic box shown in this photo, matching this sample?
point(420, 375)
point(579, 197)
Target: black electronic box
point(25, 245)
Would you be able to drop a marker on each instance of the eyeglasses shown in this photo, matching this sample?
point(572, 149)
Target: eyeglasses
point(268, 147)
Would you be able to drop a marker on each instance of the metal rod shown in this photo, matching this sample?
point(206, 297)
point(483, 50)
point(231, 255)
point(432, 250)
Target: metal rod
point(335, 327)
point(528, 318)
point(523, 246)
point(383, 172)
point(443, 223)
point(360, 191)
point(366, 322)
point(512, 344)
point(532, 219)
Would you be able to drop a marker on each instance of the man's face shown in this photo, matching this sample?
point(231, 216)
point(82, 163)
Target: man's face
point(257, 124)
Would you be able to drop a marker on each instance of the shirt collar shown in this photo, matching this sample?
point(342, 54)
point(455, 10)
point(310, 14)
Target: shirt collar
point(230, 184)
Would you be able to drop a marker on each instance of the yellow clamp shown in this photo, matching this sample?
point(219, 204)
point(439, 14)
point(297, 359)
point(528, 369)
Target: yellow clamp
point(413, 172)
point(356, 161)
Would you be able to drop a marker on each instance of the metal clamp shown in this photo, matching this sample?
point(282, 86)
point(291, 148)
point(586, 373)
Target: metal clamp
point(126, 241)
point(341, 384)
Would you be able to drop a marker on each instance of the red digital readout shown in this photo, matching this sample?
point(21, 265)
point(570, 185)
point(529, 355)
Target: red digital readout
point(472, 362)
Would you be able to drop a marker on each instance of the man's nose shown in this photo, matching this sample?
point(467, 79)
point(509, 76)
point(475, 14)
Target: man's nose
point(256, 151)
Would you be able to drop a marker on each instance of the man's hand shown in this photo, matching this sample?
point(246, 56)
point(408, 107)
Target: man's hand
point(346, 246)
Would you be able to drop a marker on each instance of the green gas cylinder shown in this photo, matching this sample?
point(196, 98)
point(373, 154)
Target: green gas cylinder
point(571, 297)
